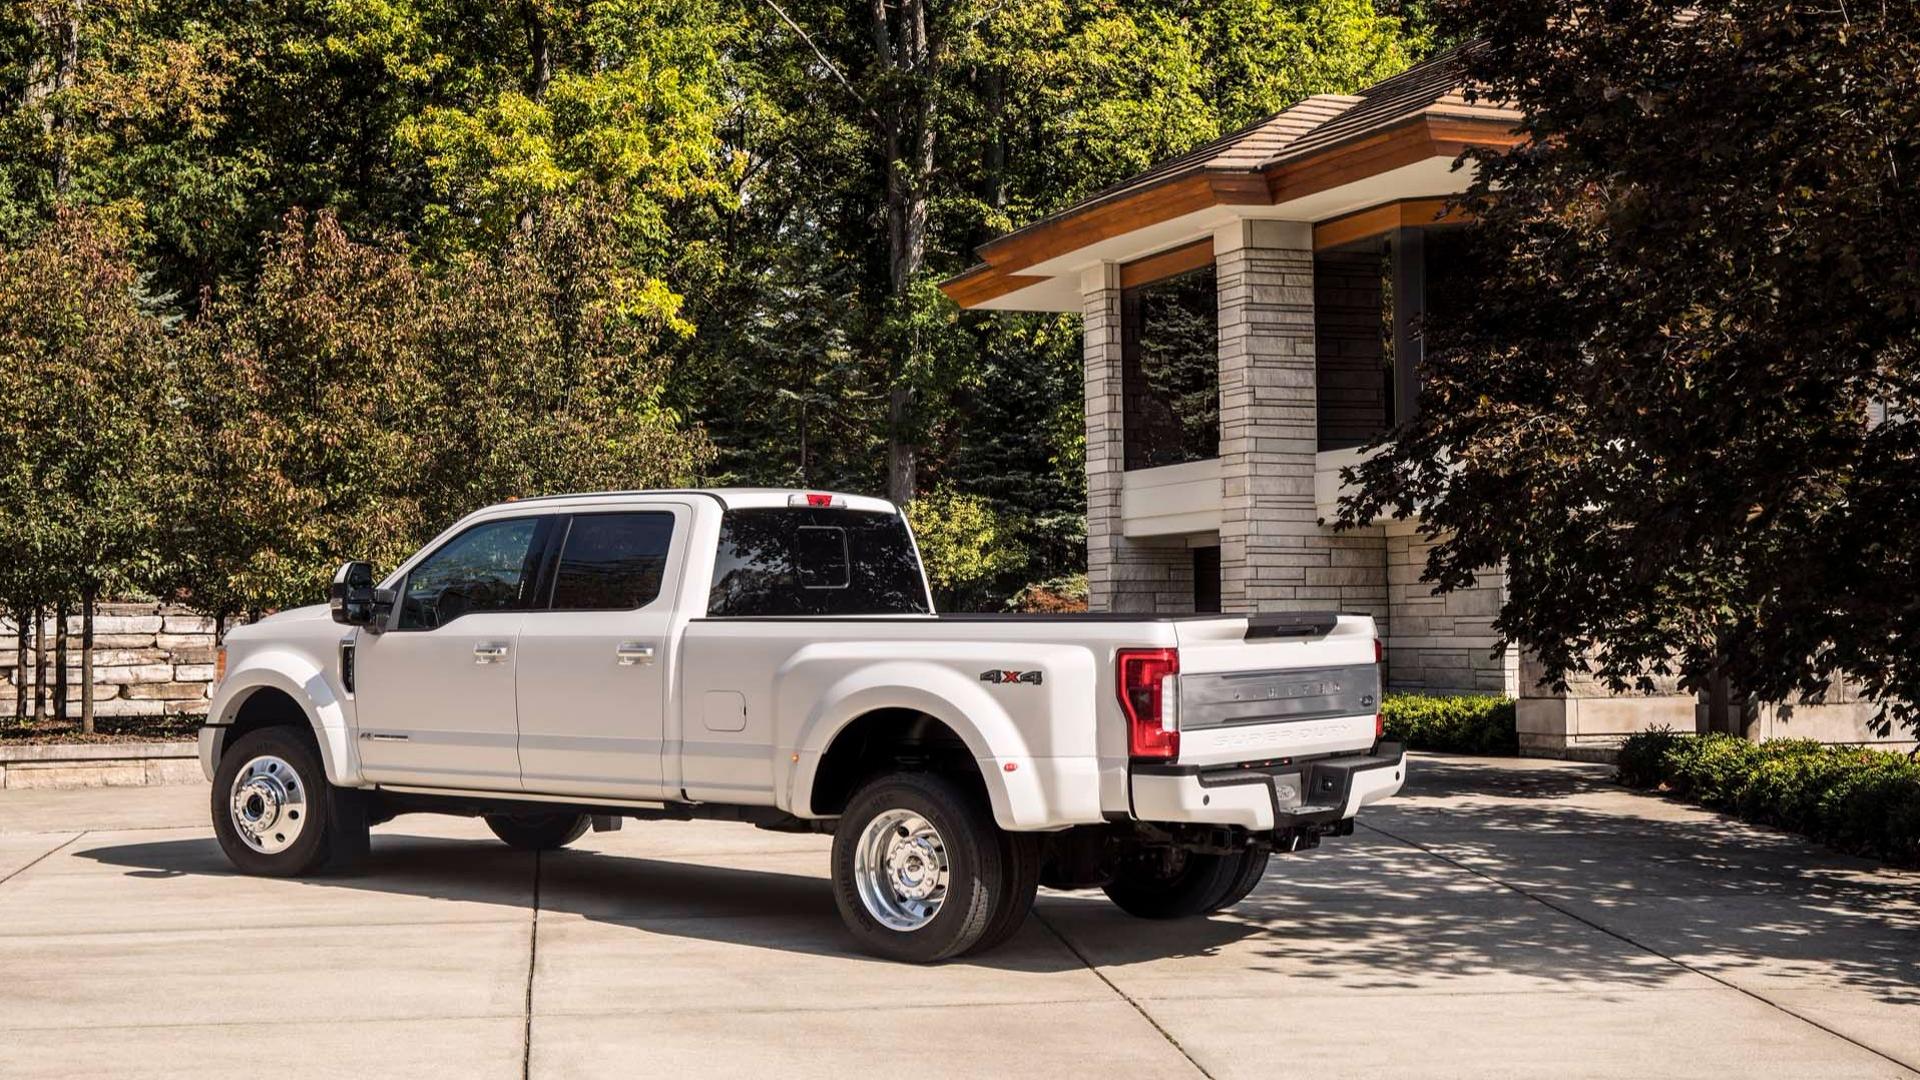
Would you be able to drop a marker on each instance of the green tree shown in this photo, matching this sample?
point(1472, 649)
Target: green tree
point(964, 544)
point(881, 145)
point(1677, 391)
point(85, 407)
point(355, 403)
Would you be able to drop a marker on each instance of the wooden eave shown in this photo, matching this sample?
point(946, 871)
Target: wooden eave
point(1427, 135)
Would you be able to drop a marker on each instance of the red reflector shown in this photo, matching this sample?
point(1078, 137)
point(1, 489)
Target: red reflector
point(1145, 679)
point(819, 500)
point(1379, 726)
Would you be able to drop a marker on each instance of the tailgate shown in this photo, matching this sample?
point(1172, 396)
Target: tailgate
point(1279, 685)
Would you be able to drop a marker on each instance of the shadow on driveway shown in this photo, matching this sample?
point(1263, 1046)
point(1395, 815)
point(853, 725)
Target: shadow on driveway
point(1535, 872)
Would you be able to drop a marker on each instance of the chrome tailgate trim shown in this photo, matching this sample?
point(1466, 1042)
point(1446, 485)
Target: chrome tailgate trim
point(1237, 698)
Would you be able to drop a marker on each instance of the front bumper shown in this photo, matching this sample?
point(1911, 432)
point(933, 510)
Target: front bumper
point(1329, 790)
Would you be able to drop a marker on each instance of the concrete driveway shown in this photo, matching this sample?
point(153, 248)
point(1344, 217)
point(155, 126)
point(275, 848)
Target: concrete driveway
point(1499, 919)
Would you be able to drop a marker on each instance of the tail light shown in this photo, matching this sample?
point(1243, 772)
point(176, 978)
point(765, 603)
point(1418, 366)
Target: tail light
point(1148, 681)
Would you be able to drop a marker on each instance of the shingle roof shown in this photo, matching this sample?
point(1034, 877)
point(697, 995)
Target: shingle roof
point(1318, 122)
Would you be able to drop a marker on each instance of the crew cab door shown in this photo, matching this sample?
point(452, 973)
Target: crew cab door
point(434, 692)
point(595, 663)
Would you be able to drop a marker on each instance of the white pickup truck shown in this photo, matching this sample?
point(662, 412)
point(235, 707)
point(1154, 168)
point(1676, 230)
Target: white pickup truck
point(772, 657)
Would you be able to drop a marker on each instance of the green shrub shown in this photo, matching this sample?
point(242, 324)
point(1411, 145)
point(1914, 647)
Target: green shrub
point(1866, 801)
point(1460, 723)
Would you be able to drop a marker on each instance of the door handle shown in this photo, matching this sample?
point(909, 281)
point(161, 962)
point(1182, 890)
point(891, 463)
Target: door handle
point(489, 652)
point(634, 652)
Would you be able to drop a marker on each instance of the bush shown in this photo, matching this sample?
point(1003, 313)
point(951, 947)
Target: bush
point(1859, 800)
point(1460, 723)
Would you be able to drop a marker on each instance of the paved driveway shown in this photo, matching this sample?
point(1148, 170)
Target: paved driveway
point(1499, 919)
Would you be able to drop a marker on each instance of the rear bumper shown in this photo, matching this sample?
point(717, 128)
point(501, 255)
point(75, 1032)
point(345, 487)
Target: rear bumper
point(1330, 789)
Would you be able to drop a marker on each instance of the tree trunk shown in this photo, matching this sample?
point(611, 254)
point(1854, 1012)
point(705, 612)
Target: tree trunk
point(219, 629)
point(39, 663)
point(60, 661)
point(539, 75)
point(22, 623)
point(87, 600)
point(908, 140)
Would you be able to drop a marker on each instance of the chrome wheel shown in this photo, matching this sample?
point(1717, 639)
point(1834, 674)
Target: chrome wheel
point(900, 869)
point(268, 804)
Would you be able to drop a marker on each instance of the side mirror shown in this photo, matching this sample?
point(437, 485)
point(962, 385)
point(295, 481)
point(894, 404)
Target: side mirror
point(351, 596)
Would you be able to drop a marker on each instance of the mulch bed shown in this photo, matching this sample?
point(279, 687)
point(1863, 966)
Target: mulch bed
point(107, 729)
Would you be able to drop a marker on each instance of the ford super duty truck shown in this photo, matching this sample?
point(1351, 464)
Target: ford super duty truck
point(773, 658)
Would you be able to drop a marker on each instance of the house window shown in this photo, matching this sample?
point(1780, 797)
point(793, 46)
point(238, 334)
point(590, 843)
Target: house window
point(1353, 343)
point(1206, 579)
point(1170, 369)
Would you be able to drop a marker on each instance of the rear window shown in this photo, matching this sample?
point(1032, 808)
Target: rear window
point(815, 561)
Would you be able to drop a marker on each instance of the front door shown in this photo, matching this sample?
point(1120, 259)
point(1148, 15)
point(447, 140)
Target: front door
point(434, 693)
point(594, 657)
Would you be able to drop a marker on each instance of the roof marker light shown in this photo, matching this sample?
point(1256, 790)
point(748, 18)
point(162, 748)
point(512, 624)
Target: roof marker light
point(815, 498)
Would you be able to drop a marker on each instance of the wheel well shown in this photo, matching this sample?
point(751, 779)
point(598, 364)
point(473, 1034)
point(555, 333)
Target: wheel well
point(266, 707)
point(889, 740)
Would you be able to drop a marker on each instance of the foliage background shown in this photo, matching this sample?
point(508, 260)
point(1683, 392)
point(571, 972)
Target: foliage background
point(353, 267)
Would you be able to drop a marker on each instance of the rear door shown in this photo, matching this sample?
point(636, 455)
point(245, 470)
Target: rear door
point(1283, 685)
point(595, 654)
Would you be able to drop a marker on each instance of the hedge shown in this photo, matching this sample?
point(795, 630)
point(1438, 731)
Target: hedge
point(1858, 800)
point(1460, 723)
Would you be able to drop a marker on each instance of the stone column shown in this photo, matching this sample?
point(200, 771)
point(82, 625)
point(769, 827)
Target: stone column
point(1274, 553)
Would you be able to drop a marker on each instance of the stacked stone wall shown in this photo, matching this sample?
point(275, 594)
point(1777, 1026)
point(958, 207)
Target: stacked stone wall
point(148, 660)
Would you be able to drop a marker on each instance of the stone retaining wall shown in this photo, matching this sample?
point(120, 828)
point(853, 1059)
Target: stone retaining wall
point(74, 765)
point(148, 660)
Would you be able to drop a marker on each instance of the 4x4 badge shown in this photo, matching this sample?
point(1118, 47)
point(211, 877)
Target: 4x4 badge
point(997, 677)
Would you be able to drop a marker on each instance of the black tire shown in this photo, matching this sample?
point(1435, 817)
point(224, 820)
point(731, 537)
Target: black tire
point(1253, 867)
point(284, 760)
point(969, 843)
point(1160, 884)
point(538, 832)
point(1020, 852)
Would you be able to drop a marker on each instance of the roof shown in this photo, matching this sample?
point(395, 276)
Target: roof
point(1318, 126)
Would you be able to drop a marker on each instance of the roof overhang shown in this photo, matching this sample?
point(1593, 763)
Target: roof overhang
point(1038, 268)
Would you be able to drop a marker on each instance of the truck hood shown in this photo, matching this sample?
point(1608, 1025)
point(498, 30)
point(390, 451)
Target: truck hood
point(310, 613)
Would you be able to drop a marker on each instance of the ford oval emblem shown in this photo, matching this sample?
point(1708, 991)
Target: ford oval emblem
point(1366, 701)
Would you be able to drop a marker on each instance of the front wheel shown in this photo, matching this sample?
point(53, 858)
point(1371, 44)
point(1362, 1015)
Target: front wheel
point(918, 868)
point(273, 810)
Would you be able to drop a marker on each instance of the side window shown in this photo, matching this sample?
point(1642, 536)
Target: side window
point(612, 562)
point(487, 568)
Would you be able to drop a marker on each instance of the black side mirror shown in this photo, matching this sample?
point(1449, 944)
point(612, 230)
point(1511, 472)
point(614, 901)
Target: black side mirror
point(351, 595)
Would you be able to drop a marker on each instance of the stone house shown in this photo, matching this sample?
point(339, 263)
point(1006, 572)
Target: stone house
point(1250, 318)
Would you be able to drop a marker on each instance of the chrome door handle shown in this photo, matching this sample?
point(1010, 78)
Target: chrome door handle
point(634, 652)
point(489, 652)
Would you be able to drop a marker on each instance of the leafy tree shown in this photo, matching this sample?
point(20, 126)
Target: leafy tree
point(84, 396)
point(1677, 392)
point(355, 403)
point(963, 543)
point(881, 145)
